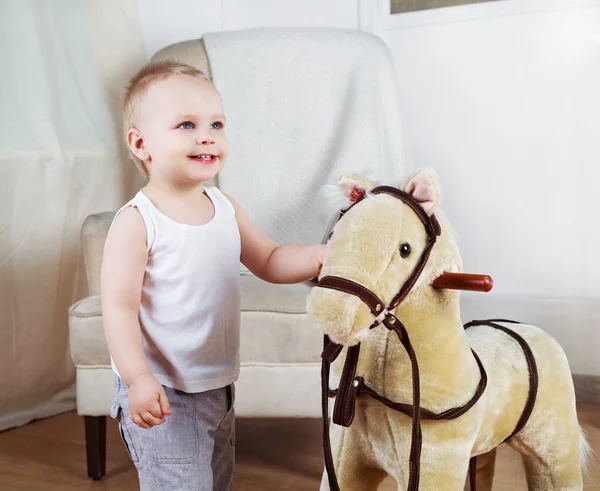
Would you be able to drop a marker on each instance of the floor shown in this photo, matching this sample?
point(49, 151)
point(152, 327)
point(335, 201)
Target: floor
point(49, 455)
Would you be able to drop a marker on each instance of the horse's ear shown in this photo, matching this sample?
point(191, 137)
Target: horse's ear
point(424, 187)
point(354, 187)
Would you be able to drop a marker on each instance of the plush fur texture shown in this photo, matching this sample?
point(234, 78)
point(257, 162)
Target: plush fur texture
point(365, 248)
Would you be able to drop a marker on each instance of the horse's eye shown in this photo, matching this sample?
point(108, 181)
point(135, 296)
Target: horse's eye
point(405, 250)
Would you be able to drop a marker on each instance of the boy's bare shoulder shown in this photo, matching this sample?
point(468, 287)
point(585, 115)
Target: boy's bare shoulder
point(232, 201)
point(124, 261)
point(124, 258)
point(128, 228)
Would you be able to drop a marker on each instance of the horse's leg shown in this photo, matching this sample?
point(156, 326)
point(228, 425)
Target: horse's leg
point(552, 465)
point(551, 442)
point(551, 447)
point(544, 475)
point(352, 470)
point(484, 475)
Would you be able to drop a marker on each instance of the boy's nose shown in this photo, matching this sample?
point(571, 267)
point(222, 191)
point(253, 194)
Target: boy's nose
point(205, 140)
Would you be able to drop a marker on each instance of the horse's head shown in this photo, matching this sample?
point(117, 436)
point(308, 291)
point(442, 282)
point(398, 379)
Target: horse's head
point(379, 243)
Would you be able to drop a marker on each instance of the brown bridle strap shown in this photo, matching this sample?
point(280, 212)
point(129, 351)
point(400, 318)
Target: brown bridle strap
point(325, 393)
point(349, 286)
point(430, 222)
point(414, 473)
point(426, 414)
point(531, 367)
point(345, 403)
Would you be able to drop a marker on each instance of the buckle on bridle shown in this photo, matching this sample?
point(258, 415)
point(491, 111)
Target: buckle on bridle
point(380, 318)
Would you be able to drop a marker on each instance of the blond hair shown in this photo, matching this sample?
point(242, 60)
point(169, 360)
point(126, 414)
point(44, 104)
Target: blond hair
point(138, 86)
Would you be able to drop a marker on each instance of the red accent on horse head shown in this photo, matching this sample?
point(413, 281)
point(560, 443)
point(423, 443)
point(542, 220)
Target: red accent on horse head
point(357, 194)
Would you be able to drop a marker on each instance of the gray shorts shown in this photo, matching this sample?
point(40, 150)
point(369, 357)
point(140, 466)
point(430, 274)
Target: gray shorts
point(193, 450)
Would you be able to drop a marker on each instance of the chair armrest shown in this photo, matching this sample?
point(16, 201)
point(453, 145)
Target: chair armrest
point(93, 235)
point(86, 334)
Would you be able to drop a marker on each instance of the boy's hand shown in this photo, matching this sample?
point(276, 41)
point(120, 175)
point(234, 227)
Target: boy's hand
point(148, 403)
point(319, 257)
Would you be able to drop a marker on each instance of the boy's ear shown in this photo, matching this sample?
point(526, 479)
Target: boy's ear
point(137, 145)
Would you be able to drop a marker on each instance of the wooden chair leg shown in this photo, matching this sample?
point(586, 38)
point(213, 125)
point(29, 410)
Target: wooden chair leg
point(95, 446)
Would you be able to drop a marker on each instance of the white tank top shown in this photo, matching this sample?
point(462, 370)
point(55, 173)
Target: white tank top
point(190, 306)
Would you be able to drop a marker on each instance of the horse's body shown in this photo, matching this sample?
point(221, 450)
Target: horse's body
point(364, 248)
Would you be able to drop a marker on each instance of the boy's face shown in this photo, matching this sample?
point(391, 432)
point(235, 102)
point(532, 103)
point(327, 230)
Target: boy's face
point(182, 128)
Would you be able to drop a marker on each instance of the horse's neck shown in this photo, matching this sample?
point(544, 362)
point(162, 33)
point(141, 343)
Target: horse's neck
point(448, 371)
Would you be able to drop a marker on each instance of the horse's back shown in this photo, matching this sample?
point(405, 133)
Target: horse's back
point(499, 349)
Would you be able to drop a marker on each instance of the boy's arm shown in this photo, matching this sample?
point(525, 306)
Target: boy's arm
point(122, 274)
point(272, 262)
point(123, 267)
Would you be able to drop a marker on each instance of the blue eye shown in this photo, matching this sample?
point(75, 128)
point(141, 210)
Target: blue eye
point(186, 126)
point(217, 125)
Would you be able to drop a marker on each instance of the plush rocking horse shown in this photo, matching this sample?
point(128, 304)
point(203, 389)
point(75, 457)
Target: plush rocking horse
point(421, 397)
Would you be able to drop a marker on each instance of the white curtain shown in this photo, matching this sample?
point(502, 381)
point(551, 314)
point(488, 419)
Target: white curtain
point(64, 64)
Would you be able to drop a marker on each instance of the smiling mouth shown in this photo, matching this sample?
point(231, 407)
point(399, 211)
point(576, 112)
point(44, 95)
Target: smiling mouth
point(204, 158)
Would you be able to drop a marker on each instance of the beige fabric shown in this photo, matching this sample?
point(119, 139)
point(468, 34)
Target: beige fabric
point(94, 226)
point(281, 392)
point(117, 51)
point(272, 338)
point(61, 161)
point(88, 344)
point(94, 390)
point(58, 402)
point(260, 296)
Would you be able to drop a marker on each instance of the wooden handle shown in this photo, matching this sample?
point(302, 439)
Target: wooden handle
point(464, 281)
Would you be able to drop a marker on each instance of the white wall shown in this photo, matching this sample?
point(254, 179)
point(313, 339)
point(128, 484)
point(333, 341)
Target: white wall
point(164, 23)
point(507, 108)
